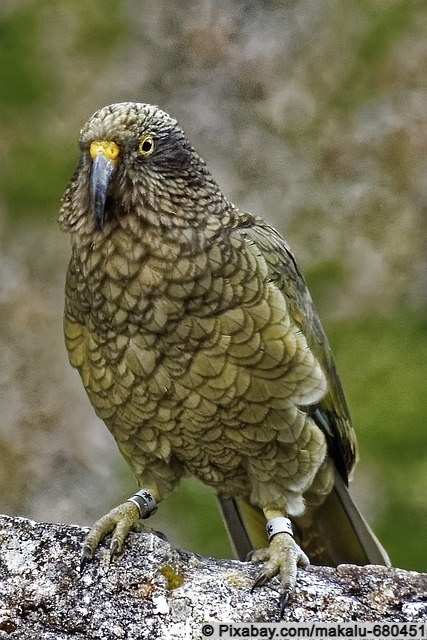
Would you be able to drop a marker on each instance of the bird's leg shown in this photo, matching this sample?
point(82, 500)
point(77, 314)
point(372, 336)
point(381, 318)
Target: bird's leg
point(282, 556)
point(120, 521)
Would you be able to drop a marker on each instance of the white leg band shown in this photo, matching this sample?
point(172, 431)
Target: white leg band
point(145, 503)
point(278, 525)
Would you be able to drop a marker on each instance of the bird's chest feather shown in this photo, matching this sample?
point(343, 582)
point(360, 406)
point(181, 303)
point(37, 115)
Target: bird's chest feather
point(190, 349)
point(152, 313)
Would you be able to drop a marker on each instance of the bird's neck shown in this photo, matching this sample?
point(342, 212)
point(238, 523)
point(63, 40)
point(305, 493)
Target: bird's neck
point(155, 231)
point(129, 245)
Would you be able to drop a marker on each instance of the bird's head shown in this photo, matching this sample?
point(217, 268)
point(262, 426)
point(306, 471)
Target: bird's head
point(136, 160)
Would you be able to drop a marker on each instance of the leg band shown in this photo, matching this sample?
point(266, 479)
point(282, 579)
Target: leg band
point(145, 503)
point(278, 525)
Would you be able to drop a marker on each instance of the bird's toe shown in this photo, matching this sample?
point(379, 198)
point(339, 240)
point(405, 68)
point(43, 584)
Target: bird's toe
point(282, 557)
point(120, 521)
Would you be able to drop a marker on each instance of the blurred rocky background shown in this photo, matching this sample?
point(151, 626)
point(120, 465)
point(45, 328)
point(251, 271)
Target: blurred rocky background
point(312, 114)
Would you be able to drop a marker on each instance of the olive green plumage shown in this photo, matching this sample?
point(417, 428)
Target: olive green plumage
point(193, 330)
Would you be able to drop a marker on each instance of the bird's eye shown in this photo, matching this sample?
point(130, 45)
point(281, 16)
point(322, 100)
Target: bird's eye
point(146, 145)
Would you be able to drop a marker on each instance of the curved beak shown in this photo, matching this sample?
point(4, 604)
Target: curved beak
point(104, 155)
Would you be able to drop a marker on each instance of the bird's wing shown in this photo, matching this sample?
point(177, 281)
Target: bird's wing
point(331, 413)
point(338, 532)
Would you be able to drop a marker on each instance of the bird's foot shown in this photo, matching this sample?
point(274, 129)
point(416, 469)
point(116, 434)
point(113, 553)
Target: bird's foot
point(282, 557)
point(120, 520)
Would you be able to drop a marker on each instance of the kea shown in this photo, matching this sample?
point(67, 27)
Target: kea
point(198, 345)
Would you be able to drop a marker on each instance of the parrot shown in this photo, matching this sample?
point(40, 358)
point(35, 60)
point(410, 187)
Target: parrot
point(199, 347)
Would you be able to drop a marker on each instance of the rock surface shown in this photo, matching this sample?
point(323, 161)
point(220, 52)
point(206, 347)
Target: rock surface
point(154, 591)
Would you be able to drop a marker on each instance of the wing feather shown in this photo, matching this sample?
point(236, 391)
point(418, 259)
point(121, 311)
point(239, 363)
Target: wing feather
point(331, 414)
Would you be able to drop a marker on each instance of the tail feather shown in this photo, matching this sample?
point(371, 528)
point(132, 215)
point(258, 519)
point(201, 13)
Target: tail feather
point(338, 533)
point(245, 525)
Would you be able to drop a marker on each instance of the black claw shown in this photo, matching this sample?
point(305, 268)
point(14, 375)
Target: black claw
point(284, 601)
point(85, 557)
point(114, 549)
point(259, 581)
point(161, 535)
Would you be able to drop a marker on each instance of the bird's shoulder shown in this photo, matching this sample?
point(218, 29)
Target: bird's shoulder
point(283, 271)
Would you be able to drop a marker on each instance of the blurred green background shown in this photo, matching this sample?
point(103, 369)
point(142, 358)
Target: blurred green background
point(311, 114)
